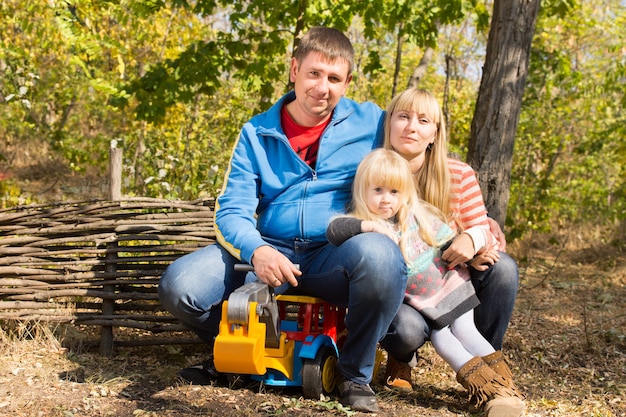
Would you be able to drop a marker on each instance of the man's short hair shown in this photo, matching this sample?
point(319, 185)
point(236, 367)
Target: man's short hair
point(330, 42)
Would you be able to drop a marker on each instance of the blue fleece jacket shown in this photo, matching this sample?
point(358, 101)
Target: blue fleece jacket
point(269, 191)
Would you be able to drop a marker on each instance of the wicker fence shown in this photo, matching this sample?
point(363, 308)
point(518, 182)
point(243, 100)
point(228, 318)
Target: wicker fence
point(98, 263)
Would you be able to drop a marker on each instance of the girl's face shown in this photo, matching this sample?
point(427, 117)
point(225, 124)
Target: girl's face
point(410, 133)
point(383, 201)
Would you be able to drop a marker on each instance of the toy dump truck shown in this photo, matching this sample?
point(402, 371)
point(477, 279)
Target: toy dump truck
point(280, 340)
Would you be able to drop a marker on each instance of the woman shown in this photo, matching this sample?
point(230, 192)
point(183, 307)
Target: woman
point(415, 128)
point(384, 200)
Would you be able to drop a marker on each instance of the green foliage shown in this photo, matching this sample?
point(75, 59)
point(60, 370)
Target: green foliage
point(173, 82)
point(255, 48)
point(568, 166)
point(11, 194)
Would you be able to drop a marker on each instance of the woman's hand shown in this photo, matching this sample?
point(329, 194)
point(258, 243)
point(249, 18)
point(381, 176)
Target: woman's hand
point(460, 251)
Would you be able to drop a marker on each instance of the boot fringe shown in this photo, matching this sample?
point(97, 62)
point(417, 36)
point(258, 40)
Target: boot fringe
point(497, 362)
point(482, 382)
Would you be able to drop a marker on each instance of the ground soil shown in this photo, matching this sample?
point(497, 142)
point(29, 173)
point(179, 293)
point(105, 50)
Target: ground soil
point(566, 344)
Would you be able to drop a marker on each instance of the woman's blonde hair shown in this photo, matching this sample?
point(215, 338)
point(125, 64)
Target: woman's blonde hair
point(389, 169)
point(433, 179)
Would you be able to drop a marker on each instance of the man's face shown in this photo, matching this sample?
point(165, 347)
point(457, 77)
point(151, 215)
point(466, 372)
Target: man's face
point(319, 84)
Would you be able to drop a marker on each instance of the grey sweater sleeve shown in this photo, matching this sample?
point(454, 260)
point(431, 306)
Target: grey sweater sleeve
point(343, 228)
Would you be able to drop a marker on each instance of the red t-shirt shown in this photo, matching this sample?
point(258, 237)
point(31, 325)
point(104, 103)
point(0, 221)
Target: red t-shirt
point(304, 140)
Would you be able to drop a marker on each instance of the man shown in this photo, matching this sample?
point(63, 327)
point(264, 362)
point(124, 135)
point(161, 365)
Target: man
point(292, 170)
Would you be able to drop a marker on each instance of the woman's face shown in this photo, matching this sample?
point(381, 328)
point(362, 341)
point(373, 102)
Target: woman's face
point(410, 133)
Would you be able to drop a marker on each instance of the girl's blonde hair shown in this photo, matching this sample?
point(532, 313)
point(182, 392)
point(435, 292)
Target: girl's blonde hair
point(387, 168)
point(433, 179)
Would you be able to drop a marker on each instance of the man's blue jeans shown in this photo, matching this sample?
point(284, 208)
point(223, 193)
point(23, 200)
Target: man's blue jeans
point(496, 289)
point(366, 274)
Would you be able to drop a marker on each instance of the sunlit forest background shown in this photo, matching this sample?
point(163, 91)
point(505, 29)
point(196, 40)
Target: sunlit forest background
point(172, 82)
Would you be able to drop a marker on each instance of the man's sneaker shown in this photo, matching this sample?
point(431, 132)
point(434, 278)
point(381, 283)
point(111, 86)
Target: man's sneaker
point(359, 397)
point(201, 374)
point(398, 375)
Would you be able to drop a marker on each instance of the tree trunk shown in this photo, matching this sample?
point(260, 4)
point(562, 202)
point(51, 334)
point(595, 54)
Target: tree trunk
point(499, 100)
point(396, 71)
point(421, 68)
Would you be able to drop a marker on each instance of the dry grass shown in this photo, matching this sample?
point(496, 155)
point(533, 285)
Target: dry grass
point(566, 342)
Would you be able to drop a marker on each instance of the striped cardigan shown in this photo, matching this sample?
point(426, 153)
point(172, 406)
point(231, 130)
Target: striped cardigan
point(467, 206)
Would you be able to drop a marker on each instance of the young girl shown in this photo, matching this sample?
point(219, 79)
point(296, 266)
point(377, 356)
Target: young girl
point(385, 200)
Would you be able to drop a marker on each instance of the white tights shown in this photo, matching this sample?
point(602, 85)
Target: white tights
point(460, 341)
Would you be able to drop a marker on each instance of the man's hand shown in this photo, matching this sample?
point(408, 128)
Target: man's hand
point(273, 268)
point(495, 229)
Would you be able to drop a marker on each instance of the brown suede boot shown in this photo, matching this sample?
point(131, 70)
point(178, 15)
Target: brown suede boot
point(500, 406)
point(398, 375)
point(489, 389)
point(497, 362)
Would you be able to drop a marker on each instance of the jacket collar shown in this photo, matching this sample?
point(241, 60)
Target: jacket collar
point(272, 122)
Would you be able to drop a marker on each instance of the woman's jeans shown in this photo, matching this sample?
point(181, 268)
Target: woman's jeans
point(496, 289)
point(366, 274)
